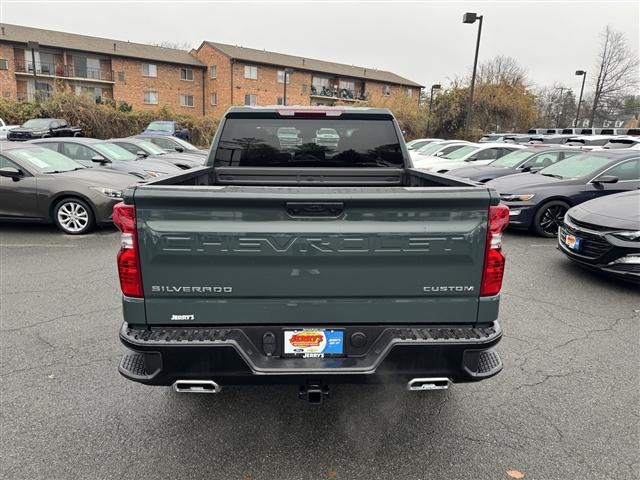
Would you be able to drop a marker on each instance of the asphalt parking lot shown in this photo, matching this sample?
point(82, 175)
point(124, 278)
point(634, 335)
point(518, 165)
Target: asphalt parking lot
point(566, 405)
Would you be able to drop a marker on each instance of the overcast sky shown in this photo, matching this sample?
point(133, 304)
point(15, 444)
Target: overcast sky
point(423, 41)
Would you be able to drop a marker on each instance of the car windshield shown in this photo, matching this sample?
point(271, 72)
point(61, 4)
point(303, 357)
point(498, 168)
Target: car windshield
point(576, 167)
point(248, 142)
point(160, 127)
point(37, 123)
point(512, 159)
point(45, 160)
point(151, 148)
point(184, 144)
point(114, 152)
point(429, 148)
point(461, 152)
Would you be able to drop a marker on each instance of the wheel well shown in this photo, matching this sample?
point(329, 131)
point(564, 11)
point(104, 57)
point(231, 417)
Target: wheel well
point(67, 196)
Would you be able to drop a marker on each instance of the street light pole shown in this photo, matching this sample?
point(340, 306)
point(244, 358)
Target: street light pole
point(559, 107)
point(584, 77)
point(433, 87)
point(471, 17)
point(287, 72)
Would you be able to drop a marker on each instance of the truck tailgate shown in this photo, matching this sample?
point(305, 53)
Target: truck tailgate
point(311, 255)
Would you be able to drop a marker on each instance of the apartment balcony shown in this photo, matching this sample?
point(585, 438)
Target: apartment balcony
point(342, 94)
point(58, 70)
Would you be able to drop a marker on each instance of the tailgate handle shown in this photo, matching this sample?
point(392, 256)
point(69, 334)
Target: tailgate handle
point(315, 209)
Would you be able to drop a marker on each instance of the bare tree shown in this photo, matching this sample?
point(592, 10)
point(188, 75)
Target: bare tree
point(617, 69)
point(501, 70)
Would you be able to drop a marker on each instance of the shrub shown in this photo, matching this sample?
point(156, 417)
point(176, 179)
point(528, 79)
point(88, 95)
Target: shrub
point(103, 120)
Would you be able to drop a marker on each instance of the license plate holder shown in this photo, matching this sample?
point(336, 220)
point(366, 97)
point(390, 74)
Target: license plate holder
point(313, 342)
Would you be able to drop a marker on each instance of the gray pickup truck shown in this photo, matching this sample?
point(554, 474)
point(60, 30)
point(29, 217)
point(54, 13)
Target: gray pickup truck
point(308, 263)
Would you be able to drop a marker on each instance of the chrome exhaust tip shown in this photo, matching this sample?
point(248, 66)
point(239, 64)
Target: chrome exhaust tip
point(421, 384)
point(196, 386)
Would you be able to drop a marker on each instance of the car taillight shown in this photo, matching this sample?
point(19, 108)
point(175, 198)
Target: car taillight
point(124, 217)
point(494, 258)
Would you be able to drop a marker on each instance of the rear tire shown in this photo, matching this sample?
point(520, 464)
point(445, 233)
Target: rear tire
point(549, 218)
point(73, 216)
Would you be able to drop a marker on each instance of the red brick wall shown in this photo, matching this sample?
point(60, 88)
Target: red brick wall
point(167, 83)
point(8, 86)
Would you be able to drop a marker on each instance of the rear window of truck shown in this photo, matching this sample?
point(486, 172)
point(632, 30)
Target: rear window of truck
point(309, 142)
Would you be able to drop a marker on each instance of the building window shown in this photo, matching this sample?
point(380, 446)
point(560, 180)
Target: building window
point(213, 71)
point(281, 77)
point(280, 101)
point(250, 99)
point(149, 70)
point(214, 99)
point(4, 65)
point(409, 92)
point(251, 72)
point(186, 100)
point(386, 90)
point(151, 98)
point(186, 74)
point(121, 76)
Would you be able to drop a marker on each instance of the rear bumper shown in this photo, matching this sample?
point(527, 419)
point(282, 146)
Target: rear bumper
point(162, 356)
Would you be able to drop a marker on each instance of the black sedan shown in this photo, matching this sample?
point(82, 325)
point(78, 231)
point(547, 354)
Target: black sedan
point(173, 144)
point(604, 234)
point(530, 159)
point(92, 152)
point(540, 200)
point(40, 185)
point(150, 151)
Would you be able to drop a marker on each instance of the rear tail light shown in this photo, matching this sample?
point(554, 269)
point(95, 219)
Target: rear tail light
point(124, 217)
point(494, 258)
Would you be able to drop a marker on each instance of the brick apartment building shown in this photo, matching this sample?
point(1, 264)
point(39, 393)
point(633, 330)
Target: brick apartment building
point(206, 80)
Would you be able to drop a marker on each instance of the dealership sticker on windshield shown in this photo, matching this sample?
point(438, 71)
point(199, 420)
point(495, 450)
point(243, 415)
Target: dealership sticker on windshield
point(572, 242)
point(314, 343)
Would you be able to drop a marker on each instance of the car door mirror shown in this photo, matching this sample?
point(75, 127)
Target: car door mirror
point(179, 149)
point(11, 172)
point(142, 153)
point(471, 159)
point(606, 179)
point(100, 159)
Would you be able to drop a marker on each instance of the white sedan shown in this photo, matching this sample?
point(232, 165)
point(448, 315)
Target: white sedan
point(4, 129)
point(474, 154)
point(436, 149)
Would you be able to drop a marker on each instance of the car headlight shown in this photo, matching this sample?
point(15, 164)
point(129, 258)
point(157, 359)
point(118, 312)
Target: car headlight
point(633, 235)
point(517, 198)
point(109, 192)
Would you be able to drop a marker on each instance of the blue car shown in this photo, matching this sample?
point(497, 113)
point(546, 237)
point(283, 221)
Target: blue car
point(167, 127)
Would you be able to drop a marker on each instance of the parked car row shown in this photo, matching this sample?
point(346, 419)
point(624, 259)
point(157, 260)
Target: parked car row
point(588, 199)
point(75, 181)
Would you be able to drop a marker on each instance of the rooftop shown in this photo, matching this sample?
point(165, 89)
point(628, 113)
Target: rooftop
point(85, 43)
point(303, 63)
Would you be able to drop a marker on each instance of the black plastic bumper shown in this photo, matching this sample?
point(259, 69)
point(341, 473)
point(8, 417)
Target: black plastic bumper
point(164, 355)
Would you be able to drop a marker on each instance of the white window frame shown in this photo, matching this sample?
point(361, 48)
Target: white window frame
point(153, 72)
point(144, 99)
point(386, 90)
point(280, 101)
point(280, 76)
point(255, 99)
point(213, 71)
point(249, 71)
point(186, 74)
point(183, 102)
point(213, 99)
